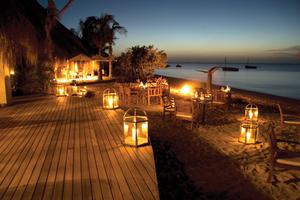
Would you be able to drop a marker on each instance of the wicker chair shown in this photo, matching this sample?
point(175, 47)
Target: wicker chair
point(154, 93)
point(287, 119)
point(187, 115)
point(169, 106)
point(279, 157)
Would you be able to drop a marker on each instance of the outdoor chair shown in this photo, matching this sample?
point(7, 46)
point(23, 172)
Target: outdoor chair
point(169, 106)
point(220, 99)
point(287, 119)
point(186, 115)
point(154, 93)
point(122, 94)
point(279, 157)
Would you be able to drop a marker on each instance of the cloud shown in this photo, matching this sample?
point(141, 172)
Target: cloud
point(293, 51)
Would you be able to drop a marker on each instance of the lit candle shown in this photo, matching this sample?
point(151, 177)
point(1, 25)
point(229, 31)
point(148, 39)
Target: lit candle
point(126, 129)
point(248, 136)
point(61, 91)
point(256, 114)
point(201, 96)
point(144, 128)
point(110, 102)
point(250, 114)
point(134, 133)
point(243, 130)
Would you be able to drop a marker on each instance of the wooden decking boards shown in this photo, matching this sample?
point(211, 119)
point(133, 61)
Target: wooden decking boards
point(70, 148)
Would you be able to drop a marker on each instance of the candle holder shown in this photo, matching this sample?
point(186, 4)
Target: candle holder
point(135, 127)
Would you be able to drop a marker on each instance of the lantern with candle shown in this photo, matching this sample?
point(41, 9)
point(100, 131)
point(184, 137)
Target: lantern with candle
point(249, 132)
point(61, 90)
point(135, 127)
point(249, 127)
point(82, 91)
point(110, 99)
point(251, 113)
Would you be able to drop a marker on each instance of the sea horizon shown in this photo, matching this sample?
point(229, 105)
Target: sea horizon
point(275, 79)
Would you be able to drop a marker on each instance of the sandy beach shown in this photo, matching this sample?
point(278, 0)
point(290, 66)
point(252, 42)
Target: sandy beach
point(209, 162)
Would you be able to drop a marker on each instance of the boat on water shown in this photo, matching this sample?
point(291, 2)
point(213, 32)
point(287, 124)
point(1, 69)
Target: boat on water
point(250, 67)
point(247, 66)
point(230, 69)
point(178, 65)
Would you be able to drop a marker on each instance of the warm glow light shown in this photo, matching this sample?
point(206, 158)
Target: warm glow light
point(83, 79)
point(226, 89)
point(142, 85)
point(134, 133)
point(256, 113)
point(110, 99)
point(135, 127)
point(250, 114)
point(110, 102)
point(12, 72)
point(144, 127)
point(186, 89)
point(248, 133)
point(202, 96)
point(126, 128)
point(248, 136)
point(61, 91)
point(243, 130)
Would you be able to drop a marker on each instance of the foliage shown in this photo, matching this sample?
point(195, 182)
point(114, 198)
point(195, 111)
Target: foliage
point(140, 63)
point(99, 33)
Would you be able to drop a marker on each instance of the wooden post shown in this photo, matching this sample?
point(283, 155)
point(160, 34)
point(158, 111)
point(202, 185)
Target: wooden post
point(5, 83)
point(110, 69)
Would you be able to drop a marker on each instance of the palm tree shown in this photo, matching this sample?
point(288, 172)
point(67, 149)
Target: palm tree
point(87, 33)
point(52, 16)
point(101, 32)
point(115, 28)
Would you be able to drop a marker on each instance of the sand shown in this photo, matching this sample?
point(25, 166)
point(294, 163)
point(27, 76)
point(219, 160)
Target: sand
point(209, 163)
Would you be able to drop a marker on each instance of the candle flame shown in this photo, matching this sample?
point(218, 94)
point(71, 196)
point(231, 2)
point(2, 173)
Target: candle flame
point(248, 136)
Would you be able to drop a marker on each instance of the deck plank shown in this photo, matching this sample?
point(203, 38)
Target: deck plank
point(11, 162)
point(70, 148)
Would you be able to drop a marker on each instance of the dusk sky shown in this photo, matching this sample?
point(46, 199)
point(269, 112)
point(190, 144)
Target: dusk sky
point(204, 31)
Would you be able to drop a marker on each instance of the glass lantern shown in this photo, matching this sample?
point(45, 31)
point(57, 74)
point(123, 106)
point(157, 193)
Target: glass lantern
point(110, 99)
point(61, 90)
point(74, 90)
point(249, 132)
point(135, 127)
point(251, 113)
point(79, 90)
point(82, 91)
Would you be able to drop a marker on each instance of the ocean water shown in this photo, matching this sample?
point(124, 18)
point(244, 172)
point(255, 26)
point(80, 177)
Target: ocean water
point(277, 79)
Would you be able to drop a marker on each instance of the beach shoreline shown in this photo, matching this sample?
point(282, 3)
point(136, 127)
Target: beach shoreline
point(290, 104)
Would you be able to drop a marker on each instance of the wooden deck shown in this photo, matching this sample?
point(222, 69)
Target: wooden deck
point(70, 148)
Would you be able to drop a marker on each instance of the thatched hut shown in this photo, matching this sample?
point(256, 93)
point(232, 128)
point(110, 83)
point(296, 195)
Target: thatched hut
point(22, 44)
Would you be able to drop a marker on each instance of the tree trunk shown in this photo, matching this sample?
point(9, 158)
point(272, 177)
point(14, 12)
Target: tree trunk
point(5, 83)
point(100, 66)
point(110, 61)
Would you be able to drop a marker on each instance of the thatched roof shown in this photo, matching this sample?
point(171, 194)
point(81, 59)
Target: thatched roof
point(24, 21)
point(102, 58)
point(80, 57)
